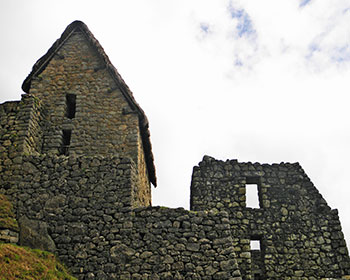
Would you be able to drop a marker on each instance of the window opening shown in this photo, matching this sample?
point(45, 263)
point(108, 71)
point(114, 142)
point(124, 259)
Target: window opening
point(71, 105)
point(252, 192)
point(255, 245)
point(66, 136)
point(257, 258)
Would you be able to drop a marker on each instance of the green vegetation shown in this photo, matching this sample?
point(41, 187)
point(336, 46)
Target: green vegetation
point(25, 263)
point(7, 217)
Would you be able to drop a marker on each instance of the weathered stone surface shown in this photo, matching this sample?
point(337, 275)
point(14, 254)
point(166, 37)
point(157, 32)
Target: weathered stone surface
point(8, 236)
point(33, 233)
point(299, 235)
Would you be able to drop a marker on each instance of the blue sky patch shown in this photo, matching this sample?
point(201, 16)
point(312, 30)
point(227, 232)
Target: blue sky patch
point(342, 54)
point(337, 55)
point(204, 27)
point(346, 10)
point(245, 25)
point(304, 3)
point(238, 62)
point(313, 47)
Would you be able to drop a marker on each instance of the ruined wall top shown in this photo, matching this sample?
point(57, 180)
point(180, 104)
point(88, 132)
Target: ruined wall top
point(291, 221)
point(223, 184)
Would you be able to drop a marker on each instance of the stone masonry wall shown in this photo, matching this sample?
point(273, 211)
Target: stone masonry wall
point(20, 133)
point(163, 243)
point(300, 235)
point(65, 203)
point(10, 143)
point(76, 69)
point(80, 208)
point(103, 122)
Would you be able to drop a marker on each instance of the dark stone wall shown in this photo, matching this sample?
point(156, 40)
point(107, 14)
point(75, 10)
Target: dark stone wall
point(20, 134)
point(162, 243)
point(81, 209)
point(11, 143)
point(300, 235)
point(103, 122)
point(69, 205)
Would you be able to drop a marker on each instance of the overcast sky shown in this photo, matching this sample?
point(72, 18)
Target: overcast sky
point(260, 81)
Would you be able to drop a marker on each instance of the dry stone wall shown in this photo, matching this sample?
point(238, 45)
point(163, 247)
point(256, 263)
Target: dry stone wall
point(162, 243)
point(8, 236)
point(65, 203)
point(20, 133)
point(81, 209)
point(300, 235)
point(86, 112)
point(77, 70)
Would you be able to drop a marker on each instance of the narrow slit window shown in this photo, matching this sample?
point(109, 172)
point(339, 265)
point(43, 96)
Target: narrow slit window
point(66, 136)
point(71, 105)
point(252, 193)
point(252, 196)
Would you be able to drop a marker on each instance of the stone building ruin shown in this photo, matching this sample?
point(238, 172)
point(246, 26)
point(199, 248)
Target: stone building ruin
point(76, 161)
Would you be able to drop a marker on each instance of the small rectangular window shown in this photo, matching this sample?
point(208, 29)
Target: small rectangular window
point(66, 136)
point(255, 245)
point(252, 192)
point(257, 257)
point(71, 105)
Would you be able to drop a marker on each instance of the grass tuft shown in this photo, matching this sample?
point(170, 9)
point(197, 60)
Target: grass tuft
point(25, 263)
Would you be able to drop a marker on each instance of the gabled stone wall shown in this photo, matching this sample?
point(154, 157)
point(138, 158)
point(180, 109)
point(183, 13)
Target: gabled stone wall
point(103, 123)
point(86, 112)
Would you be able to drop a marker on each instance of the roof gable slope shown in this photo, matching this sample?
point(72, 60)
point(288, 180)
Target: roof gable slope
point(41, 64)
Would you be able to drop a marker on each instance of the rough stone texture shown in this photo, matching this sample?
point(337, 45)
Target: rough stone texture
point(77, 69)
point(33, 233)
point(85, 204)
point(20, 134)
point(300, 235)
point(8, 236)
point(88, 198)
point(161, 243)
